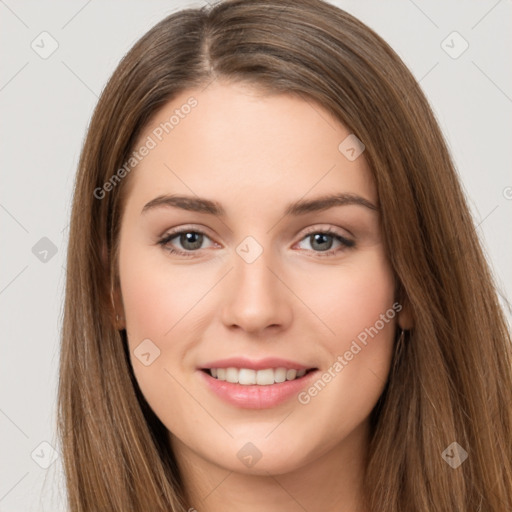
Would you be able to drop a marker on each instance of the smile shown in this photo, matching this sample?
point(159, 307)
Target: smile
point(256, 388)
point(248, 376)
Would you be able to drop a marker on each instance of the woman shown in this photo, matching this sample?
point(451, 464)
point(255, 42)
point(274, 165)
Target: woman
point(275, 296)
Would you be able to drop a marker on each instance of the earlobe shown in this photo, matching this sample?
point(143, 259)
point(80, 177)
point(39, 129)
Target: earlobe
point(405, 318)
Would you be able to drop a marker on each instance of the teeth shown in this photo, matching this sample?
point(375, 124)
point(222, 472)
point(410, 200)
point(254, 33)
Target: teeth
point(279, 374)
point(291, 374)
point(232, 375)
point(247, 377)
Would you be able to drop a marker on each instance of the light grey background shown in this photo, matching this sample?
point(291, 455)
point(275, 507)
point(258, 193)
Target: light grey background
point(46, 105)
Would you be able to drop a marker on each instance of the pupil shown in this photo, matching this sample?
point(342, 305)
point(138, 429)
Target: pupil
point(320, 238)
point(188, 238)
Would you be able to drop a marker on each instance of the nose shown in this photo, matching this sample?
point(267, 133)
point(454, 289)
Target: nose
point(257, 299)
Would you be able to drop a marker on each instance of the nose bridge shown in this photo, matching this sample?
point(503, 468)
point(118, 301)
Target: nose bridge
point(256, 296)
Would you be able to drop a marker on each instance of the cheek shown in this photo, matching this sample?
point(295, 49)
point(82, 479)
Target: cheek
point(156, 300)
point(350, 297)
point(358, 309)
point(366, 294)
point(156, 296)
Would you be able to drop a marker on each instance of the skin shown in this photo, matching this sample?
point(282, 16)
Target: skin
point(255, 153)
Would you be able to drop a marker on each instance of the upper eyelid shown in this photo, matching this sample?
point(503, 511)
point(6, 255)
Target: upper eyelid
point(330, 229)
point(172, 233)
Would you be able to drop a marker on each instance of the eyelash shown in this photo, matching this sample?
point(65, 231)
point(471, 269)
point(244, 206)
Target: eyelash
point(346, 243)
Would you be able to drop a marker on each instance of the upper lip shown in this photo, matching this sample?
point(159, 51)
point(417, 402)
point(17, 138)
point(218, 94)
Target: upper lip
point(260, 364)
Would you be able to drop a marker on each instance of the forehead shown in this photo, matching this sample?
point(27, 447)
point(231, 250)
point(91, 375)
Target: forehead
point(232, 140)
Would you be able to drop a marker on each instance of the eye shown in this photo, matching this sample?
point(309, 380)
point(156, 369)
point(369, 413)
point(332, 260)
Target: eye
point(321, 241)
point(190, 239)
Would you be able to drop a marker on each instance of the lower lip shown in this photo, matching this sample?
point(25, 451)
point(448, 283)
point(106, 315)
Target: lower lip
point(255, 396)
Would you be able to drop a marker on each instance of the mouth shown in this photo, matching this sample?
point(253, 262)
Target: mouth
point(263, 377)
point(249, 383)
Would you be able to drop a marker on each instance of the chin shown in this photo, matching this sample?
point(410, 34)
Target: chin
point(254, 455)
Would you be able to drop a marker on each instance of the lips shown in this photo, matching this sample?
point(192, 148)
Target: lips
point(261, 364)
point(257, 384)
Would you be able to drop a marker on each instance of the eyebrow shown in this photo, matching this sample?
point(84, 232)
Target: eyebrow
point(300, 207)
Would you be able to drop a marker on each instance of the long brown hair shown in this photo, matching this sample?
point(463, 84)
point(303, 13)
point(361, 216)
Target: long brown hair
point(453, 379)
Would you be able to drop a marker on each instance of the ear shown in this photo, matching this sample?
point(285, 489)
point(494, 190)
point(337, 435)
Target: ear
point(405, 318)
point(115, 301)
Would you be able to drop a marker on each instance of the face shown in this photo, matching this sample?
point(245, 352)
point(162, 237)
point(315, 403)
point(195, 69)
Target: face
point(231, 265)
